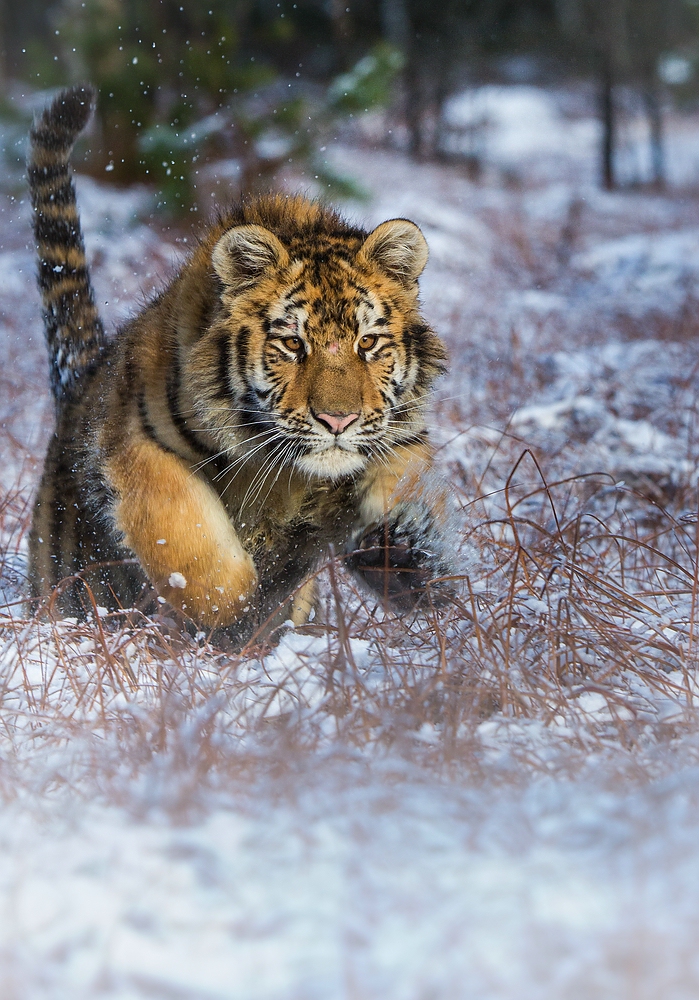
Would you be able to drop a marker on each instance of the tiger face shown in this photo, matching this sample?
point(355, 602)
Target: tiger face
point(320, 352)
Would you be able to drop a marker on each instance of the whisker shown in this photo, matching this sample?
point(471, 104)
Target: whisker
point(406, 407)
point(382, 451)
point(246, 456)
point(282, 459)
point(200, 465)
point(232, 426)
point(211, 458)
point(263, 472)
point(221, 409)
point(418, 401)
point(267, 459)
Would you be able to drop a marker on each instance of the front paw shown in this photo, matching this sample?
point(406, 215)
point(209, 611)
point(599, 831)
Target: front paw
point(396, 567)
point(218, 596)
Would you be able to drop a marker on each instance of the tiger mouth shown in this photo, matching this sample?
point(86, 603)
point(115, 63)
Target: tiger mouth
point(335, 462)
point(342, 454)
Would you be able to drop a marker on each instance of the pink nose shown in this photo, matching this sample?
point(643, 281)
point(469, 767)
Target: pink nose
point(337, 422)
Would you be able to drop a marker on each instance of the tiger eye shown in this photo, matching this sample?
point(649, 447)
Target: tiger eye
point(292, 343)
point(367, 342)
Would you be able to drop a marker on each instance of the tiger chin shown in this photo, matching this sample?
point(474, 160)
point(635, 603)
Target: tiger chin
point(266, 406)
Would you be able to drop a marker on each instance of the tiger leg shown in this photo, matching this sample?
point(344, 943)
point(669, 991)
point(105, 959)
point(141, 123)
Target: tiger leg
point(401, 547)
point(176, 525)
point(303, 603)
point(297, 609)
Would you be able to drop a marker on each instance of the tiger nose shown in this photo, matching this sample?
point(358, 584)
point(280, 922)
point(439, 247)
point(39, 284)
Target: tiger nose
point(336, 422)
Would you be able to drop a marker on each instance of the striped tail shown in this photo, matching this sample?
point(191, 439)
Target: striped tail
point(74, 331)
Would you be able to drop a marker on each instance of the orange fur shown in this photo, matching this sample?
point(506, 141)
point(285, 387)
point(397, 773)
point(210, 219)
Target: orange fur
point(174, 522)
point(269, 403)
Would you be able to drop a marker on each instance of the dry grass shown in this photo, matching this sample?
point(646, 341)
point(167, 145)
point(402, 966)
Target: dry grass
point(575, 616)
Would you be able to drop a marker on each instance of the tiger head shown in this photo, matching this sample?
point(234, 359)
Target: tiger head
point(318, 348)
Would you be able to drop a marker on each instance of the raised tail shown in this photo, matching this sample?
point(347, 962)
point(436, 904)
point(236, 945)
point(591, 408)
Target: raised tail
point(74, 331)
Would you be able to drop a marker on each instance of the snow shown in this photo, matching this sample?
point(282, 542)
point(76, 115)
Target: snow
point(645, 271)
point(363, 881)
point(478, 803)
point(521, 122)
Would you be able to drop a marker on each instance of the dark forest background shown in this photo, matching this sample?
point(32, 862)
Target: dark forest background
point(269, 82)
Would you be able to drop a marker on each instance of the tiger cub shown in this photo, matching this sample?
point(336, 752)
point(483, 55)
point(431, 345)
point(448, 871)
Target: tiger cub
point(268, 404)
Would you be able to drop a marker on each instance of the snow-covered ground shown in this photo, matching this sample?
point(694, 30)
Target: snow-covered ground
point(498, 799)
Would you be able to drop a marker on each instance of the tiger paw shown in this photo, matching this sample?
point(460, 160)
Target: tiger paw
point(393, 565)
point(219, 600)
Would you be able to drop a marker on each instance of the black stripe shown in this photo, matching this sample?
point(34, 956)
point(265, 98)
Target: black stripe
point(61, 309)
point(45, 175)
point(147, 426)
point(398, 389)
point(173, 404)
point(49, 277)
point(52, 138)
point(225, 390)
point(60, 194)
point(126, 384)
point(61, 231)
point(243, 347)
point(407, 338)
point(61, 472)
point(423, 345)
point(250, 412)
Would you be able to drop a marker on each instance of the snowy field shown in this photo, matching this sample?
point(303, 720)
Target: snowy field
point(499, 799)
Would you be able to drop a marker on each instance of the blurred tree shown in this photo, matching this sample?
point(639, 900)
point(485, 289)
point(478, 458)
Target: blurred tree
point(655, 27)
point(28, 42)
point(446, 44)
point(625, 40)
point(181, 80)
point(158, 65)
point(262, 81)
point(599, 28)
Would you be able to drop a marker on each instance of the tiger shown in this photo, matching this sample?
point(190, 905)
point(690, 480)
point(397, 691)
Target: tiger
point(266, 407)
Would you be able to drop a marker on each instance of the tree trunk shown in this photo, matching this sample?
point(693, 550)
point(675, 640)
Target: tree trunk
point(442, 92)
point(608, 117)
point(396, 23)
point(414, 109)
point(651, 96)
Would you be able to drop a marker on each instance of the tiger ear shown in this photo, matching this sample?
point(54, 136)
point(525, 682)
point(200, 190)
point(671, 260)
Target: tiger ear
point(398, 248)
point(244, 253)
